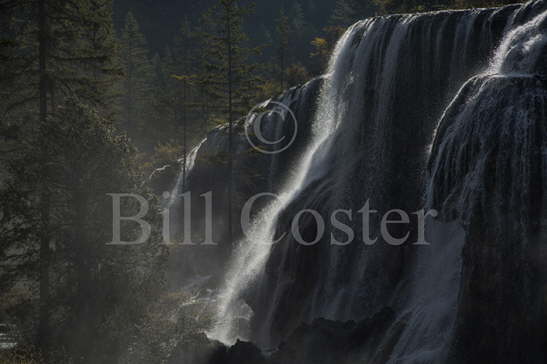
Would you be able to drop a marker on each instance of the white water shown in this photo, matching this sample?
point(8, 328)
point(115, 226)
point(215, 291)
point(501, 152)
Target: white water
point(433, 295)
point(520, 49)
point(190, 162)
point(430, 308)
point(430, 313)
point(252, 253)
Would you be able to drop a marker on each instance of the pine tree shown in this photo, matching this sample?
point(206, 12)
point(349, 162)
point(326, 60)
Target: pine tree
point(185, 70)
point(80, 56)
point(184, 89)
point(202, 80)
point(45, 201)
point(100, 44)
point(296, 14)
point(229, 75)
point(88, 160)
point(81, 49)
point(344, 14)
point(135, 85)
point(283, 33)
point(164, 100)
point(228, 58)
point(54, 51)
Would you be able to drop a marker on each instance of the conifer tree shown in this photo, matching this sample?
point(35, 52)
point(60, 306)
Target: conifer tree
point(296, 15)
point(80, 54)
point(184, 72)
point(135, 85)
point(229, 75)
point(62, 50)
point(344, 13)
point(300, 31)
point(189, 45)
point(45, 201)
point(228, 58)
point(283, 33)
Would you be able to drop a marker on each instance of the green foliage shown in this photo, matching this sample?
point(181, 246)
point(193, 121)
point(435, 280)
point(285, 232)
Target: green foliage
point(222, 33)
point(283, 32)
point(85, 157)
point(80, 58)
point(322, 49)
point(135, 86)
point(344, 14)
point(291, 43)
point(297, 74)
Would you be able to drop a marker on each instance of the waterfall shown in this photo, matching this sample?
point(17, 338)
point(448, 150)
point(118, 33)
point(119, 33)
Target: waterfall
point(251, 253)
point(429, 312)
point(515, 64)
point(444, 110)
point(383, 141)
point(474, 123)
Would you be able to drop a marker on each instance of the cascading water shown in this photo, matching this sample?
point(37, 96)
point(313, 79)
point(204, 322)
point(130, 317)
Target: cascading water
point(375, 130)
point(251, 253)
point(430, 313)
point(188, 165)
point(381, 152)
point(402, 76)
point(487, 170)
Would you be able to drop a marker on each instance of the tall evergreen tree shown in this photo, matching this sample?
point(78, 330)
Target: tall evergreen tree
point(300, 32)
point(45, 213)
point(297, 17)
point(283, 33)
point(185, 70)
point(190, 46)
point(292, 44)
point(79, 50)
point(227, 57)
point(135, 85)
point(344, 13)
point(229, 74)
point(61, 51)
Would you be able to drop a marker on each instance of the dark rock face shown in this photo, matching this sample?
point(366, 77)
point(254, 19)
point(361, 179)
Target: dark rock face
point(321, 342)
point(196, 350)
point(241, 352)
point(325, 342)
point(478, 154)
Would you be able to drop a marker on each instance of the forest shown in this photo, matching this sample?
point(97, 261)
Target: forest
point(101, 97)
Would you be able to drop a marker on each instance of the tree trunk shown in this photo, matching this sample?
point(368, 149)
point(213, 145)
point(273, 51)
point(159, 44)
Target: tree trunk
point(43, 329)
point(230, 123)
point(184, 135)
point(83, 260)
